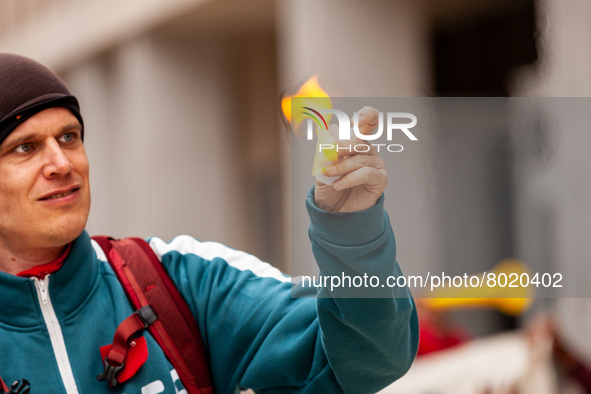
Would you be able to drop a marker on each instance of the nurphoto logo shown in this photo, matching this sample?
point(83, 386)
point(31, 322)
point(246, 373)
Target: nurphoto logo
point(344, 130)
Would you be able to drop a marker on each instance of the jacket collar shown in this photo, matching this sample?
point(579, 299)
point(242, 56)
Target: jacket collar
point(41, 271)
point(68, 288)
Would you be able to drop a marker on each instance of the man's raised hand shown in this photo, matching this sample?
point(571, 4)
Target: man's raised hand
point(363, 176)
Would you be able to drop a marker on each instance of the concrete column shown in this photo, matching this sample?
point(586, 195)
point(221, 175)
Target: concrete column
point(558, 192)
point(360, 49)
point(163, 109)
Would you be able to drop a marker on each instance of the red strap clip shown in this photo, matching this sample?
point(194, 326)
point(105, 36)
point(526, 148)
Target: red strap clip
point(115, 360)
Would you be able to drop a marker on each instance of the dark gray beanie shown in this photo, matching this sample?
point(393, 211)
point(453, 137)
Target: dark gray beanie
point(26, 88)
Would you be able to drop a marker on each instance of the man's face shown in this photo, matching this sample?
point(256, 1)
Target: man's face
point(44, 189)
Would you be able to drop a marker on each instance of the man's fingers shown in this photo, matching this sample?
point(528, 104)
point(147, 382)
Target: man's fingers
point(362, 176)
point(368, 120)
point(353, 163)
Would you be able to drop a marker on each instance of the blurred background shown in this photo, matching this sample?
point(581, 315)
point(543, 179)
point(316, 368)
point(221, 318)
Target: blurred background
point(184, 134)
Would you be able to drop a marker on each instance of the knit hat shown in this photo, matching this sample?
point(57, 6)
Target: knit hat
point(26, 88)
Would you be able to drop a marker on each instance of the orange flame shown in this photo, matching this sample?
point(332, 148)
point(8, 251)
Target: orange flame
point(313, 96)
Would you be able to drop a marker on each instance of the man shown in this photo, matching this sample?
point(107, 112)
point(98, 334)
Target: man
point(61, 301)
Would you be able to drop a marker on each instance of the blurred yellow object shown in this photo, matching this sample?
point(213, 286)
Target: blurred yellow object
point(324, 157)
point(511, 301)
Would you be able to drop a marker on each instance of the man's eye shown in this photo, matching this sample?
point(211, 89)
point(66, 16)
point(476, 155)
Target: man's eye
point(67, 137)
point(24, 148)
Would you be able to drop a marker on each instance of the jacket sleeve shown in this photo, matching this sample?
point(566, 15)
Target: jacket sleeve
point(259, 337)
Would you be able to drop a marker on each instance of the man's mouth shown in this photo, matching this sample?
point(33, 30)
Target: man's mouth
point(60, 195)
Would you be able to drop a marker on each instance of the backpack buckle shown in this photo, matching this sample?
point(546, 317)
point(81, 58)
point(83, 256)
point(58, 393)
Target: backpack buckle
point(146, 315)
point(110, 373)
point(16, 387)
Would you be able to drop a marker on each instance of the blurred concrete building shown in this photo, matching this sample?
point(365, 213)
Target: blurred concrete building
point(181, 104)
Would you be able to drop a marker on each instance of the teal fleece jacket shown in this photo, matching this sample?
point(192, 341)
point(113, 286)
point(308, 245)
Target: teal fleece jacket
point(257, 336)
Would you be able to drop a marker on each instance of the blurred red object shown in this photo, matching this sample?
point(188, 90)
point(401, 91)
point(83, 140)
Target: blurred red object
point(437, 331)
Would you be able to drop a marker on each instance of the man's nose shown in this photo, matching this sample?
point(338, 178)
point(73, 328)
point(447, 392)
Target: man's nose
point(57, 163)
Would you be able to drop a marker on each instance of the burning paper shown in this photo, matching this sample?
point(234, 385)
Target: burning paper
point(311, 99)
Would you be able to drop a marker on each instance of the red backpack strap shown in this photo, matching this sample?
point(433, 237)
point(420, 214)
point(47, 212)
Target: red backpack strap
point(146, 282)
point(3, 387)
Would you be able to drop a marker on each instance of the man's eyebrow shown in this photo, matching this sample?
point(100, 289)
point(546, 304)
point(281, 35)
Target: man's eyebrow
point(71, 126)
point(32, 136)
point(17, 141)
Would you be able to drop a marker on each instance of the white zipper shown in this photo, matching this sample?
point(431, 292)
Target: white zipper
point(55, 334)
